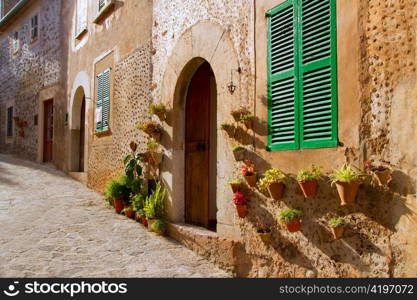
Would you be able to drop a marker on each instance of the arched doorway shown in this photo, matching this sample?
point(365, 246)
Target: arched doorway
point(200, 149)
point(78, 130)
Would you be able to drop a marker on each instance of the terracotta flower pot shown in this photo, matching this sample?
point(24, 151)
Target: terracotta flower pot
point(162, 116)
point(293, 226)
point(156, 136)
point(249, 124)
point(230, 131)
point(309, 188)
point(251, 180)
point(150, 222)
point(138, 218)
point(338, 232)
point(236, 187)
point(242, 210)
point(156, 158)
point(118, 205)
point(348, 191)
point(145, 222)
point(129, 213)
point(265, 237)
point(384, 177)
point(239, 155)
point(276, 190)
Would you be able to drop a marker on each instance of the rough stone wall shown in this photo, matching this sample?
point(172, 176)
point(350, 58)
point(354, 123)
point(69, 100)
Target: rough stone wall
point(173, 18)
point(132, 82)
point(24, 74)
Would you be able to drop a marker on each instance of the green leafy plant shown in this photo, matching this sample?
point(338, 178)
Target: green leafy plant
point(141, 213)
point(307, 175)
point(149, 127)
point(345, 174)
point(237, 114)
point(138, 202)
point(133, 171)
point(226, 126)
point(153, 145)
point(336, 222)
point(272, 176)
point(118, 189)
point(290, 214)
point(155, 203)
point(159, 225)
point(157, 108)
point(246, 117)
point(235, 181)
point(238, 148)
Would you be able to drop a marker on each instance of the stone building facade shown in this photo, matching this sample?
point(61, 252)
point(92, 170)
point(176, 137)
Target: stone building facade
point(176, 49)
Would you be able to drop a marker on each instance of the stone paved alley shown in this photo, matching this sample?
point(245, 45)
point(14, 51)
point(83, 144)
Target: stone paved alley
point(53, 226)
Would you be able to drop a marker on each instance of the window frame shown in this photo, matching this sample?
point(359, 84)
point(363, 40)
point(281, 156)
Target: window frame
point(299, 143)
point(79, 31)
point(34, 28)
point(99, 103)
point(9, 122)
point(15, 42)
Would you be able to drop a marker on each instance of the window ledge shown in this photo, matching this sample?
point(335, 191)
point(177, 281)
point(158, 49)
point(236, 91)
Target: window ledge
point(102, 133)
point(79, 35)
point(109, 5)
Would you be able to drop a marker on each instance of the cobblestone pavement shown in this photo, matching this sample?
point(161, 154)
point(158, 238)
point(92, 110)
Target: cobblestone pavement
point(53, 226)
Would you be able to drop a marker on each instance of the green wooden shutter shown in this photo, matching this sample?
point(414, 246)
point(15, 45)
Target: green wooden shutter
point(106, 100)
point(282, 78)
point(103, 101)
point(318, 69)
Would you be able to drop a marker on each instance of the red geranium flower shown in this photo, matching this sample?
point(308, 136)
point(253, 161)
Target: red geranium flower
point(240, 199)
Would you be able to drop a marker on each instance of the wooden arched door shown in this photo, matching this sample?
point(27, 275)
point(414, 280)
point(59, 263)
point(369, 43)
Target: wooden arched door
point(198, 170)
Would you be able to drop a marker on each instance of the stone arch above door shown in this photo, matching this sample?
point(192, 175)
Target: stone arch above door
point(79, 92)
point(204, 42)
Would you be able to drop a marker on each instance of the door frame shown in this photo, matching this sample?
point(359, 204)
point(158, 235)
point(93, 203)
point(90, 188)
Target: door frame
point(43, 128)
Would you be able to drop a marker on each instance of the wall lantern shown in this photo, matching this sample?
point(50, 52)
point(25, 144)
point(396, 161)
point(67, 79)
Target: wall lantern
point(231, 86)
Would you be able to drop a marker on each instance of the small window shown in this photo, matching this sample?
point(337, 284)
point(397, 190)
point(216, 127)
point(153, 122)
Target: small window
point(81, 20)
point(101, 4)
point(34, 28)
point(15, 42)
point(9, 126)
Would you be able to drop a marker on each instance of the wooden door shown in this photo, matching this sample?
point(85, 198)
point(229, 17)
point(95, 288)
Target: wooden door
point(82, 137)
point(197, 148)
point(48, 132)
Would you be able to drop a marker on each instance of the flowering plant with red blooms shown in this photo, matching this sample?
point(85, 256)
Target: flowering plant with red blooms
point(249, 168)
point(240, 199)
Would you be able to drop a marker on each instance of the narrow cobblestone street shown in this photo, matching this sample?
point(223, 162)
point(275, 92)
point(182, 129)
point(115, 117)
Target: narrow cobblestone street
point(53, 226)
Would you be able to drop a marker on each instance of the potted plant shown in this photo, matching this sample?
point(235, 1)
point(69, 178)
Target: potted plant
point(158, 110)
point(159, 226)
point(347, 182)
point(155, 205)
point(337, 225)
point(119, 192)
point(249, 173)
point(236, 185)
point(129, 212)
point(380, 175)
point(247, 120)
point(155, 157)
point(307, 179)
point(239, 152)
point(263, 231)
point(237, 114)
point(292, 219)
point(152, 129)
point(141, 217)
point(274, 181)
point(228, 128)
point(138, 202)
point(241, 204)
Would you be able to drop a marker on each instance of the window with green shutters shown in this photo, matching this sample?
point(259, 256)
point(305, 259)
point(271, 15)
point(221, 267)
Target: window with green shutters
point(103, 101)
point(302, 75)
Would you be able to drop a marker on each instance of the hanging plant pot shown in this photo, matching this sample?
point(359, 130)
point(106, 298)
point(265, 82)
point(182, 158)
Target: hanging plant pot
point(230, 130)
point(162, 116)
point(242, 211)
point(145, 222)
point(118, 205)
point(156, 135)
point(276, 190)
point(239, 154)
point(251, 180)
point(236, 187)
point(265, 235)
point(338, 232)
point(384, 177)
point(348, 191)
point(309, 188)
point(156, 157)
point(249, 124)
point(293, 226)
